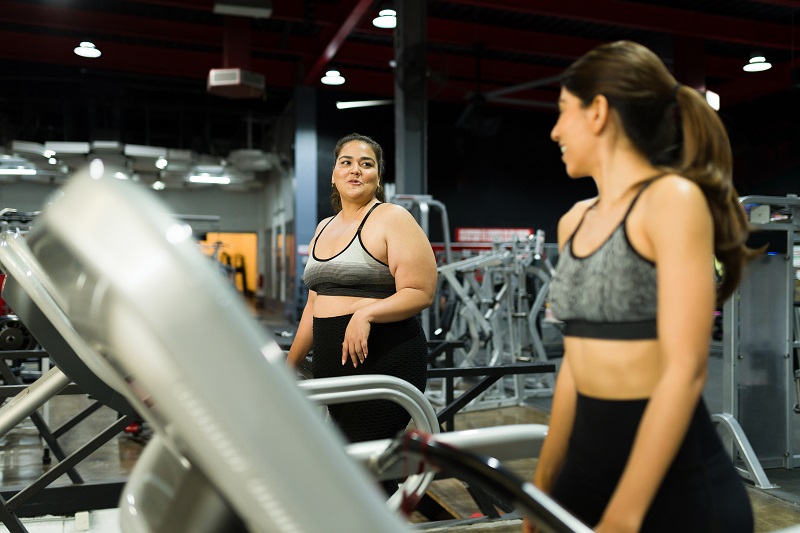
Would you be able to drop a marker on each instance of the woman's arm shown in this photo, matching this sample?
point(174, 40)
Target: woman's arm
point(554, 449)
point(680, 230)
point(304, 336)
point(413, 265)
point(562, 414)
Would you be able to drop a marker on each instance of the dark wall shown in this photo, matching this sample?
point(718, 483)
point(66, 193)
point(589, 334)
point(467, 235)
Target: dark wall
point(506, 175)
point(765, 136)
point(500, 168)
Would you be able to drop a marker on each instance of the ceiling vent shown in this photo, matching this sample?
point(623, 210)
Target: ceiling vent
point(235, 83)
point(244, 8)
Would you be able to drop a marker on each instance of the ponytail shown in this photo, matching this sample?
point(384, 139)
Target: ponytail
point(707, 160)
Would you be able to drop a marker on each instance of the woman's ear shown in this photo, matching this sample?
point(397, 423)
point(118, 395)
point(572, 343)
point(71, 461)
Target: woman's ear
point(598, 113)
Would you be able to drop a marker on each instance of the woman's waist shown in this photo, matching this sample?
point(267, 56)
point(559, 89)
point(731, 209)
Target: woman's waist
point(333, 306)
point(614, 369)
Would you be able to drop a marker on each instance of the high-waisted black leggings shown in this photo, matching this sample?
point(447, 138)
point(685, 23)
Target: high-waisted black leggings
point(397, 349)
point(701, 493)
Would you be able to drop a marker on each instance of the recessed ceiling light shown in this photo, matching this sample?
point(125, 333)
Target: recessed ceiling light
point(332, 77)
point(207, 178)
point(387, 18)
point(87, 49)
point(757, 63)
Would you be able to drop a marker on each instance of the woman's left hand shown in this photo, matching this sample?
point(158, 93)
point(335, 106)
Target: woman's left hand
point(354, 347)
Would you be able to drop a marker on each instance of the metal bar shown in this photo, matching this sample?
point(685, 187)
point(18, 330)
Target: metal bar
point(41, 426)
point(499, 370)
point(77, 456)
point(24, 354)
point(522, 86)
point(31, 398)
point(68, 499)
point(11, 521)
point(78, 418)
point(9, 391)
point(754, 471)
point(467, 397)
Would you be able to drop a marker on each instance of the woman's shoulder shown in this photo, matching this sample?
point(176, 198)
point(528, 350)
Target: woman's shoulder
point(674, 192)
point(389, 212)
point(570, 220)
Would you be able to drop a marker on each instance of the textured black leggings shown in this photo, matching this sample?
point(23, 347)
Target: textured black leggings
point(397, 349)
point(701, 493)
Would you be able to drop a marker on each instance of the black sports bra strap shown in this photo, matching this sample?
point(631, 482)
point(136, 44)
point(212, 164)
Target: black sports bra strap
point(583, 216)
point(646, 184)
point(371, 209)
point(313, 248)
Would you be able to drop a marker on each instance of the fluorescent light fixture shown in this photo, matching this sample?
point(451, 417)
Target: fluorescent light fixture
point(207, 178)
point(21, 171)
point(757, 63)
point(387, 18)
point(713, 99)
point(362, 103)
point(62, 148)
point(332, 77)
point(87, 49)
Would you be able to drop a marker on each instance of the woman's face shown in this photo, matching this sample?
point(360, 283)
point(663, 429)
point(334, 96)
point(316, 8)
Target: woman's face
point(355, 173)
point(573, 135)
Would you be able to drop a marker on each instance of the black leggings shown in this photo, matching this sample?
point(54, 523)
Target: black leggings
point(701, 493)
point(396, 349)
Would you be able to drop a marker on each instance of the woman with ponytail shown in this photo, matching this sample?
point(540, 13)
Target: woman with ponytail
point(631, 446)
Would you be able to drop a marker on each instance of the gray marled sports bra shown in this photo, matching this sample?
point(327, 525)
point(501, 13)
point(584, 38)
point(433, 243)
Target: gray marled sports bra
point(609, 294)
point(351, 272)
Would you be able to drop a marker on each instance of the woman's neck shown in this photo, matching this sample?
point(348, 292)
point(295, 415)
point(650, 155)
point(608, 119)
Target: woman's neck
point(353, 211)
point(618, 175)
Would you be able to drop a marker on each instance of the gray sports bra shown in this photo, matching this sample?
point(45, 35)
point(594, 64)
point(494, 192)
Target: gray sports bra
point(609, 294)
point(351, 272)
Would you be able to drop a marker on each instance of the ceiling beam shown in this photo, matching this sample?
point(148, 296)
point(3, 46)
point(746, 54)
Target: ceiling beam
point(104, 24)
point(332, 46)
point(127, 58)
point(651, 17)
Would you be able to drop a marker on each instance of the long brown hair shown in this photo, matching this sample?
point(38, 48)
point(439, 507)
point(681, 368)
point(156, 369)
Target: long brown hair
point(336, 199)
point(674, 127)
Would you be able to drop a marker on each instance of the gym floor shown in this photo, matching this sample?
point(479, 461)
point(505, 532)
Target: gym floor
point(21, 462)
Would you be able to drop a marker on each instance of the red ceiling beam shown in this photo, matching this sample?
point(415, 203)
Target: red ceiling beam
point(509, 40)
point(199, 5)
point(652, 18)
point(91, 23)
point(332, 46)
point(785, 3)
point(148, 60)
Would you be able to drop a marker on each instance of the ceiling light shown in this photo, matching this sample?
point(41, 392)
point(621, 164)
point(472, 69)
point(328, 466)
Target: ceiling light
point(19, 171)
point(161, 163)
point(713, 99)
point(87, 49)
point(362, 103)
point(757, 63)
point(332, 77)
point(208, 178)
point(159, 185)
point(387, 18)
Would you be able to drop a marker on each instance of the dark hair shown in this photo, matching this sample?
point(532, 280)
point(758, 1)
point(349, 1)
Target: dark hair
point(336, 199)
point(674, 127)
